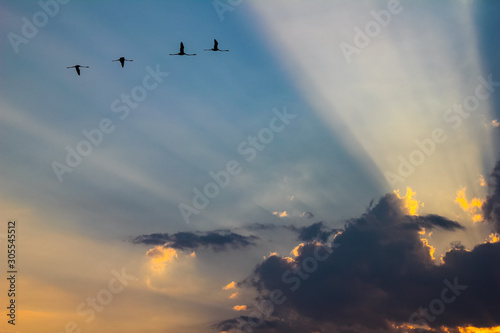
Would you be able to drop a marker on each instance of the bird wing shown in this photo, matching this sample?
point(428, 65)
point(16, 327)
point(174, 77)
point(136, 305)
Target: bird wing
point(182, 48)
point(216, 44)
point(78, 70)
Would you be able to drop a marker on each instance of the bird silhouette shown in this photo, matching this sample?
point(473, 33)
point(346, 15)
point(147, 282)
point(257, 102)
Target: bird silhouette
point(77, 67)
point(122, 60)
point(216, 47)
point(181, 52)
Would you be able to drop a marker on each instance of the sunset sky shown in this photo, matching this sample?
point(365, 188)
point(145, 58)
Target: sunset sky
point(337, 170)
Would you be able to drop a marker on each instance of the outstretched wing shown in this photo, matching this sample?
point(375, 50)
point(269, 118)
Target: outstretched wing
point(182, 48)
point(216, 44)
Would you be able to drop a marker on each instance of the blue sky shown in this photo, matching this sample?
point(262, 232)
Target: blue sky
point(353, 119)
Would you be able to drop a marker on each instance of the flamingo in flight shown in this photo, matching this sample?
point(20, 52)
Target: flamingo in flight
point(122, 60)
point(182, 52)
point(77, 67)
point(216, 47)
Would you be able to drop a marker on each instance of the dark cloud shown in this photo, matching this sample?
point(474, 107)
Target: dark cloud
point(261, 226)
point(218, 240)
point(431, 221)
point(317, 231)
point(259, 324)
point(491, 207)
point(379, 272)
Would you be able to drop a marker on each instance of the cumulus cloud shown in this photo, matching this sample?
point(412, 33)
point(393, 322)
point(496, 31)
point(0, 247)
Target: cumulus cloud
point(218, 240)
point(377, 276)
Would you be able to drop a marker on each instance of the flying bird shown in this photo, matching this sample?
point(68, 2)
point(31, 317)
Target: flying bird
point(122, 60)
point(182, 52)
point(77, 67)
point(216, 47)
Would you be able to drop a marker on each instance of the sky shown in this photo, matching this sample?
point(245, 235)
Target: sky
point(337, 170)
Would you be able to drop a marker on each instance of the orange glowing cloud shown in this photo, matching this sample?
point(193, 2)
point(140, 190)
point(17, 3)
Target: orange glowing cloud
point(493, 238)
point(231, 285)
point(233, 296)
point(470, 329)
point(282, 214)
point(410, 203)
point(159, 256)
point(240, 307)
point(296, 250)
point(472, 207)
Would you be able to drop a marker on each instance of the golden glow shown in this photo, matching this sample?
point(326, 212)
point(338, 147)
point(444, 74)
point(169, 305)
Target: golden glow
point(231, 285)
point(495, 123)
point(410, 203)
point(233, 296)
point(159, 256)
point(240, 307)
point(296, 250)
point(468, 329)
point(472, 207)
point(493, 238)
point(432, 249)
point(406, 326)
point(193, 255)
point(471, 329)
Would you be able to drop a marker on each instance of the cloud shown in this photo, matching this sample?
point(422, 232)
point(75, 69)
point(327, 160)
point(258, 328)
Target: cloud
point(309, 215)
point(159, 256)
point(431, 221)
point(231, 285)
point(317, 231)
point(281, 214)
point(240, 308)
point(218, 240)
point(379, 276)
point(491, 206)
point(261, 226)
point(263, 325)
point(473, 207)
